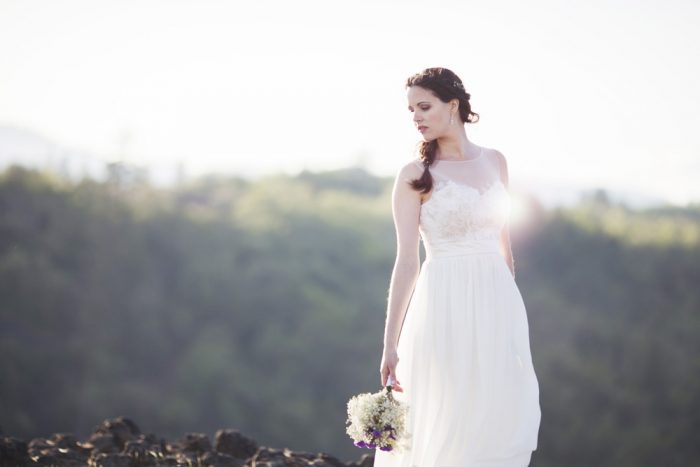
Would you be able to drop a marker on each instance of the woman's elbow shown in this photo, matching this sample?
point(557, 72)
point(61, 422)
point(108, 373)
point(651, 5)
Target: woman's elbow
point(408, 261)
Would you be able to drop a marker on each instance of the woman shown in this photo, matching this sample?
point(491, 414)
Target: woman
point(463, 362)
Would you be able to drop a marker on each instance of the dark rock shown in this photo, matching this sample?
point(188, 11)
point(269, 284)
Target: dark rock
point(47, 459)
point(112, 460)
point(270, 457)
point(195, 442)
point(103, 442)
point(136, 449)
point(171, 462)
point(187, 457)
point(218, 459)
point(234, 443)
point(37, 445)
point(269, 464)
point(300, 455)
point(59, 461)
point(60, 450)
point(63, 440)
point(266, 454)
point(13, 452)
point(321, 463)
point(330, 460)
point(121, 428)
point(152, 438)
point(143, 452)
point(119, 442)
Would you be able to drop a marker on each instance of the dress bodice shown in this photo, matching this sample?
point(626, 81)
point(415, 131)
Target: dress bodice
point(467, 208)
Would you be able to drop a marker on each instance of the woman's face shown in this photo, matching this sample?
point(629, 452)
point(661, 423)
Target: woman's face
point(430, 115)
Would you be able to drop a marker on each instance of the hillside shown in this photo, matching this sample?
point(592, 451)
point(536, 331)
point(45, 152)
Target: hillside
point(260, 305)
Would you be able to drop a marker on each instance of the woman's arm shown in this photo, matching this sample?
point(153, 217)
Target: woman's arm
point(406, 211)
point(506, 250)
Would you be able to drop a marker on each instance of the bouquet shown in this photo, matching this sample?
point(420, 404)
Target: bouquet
point(377, 420)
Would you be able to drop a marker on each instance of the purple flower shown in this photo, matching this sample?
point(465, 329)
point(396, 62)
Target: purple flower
point(376, 433)
point(371, 445)
point(386, 448)
point(360, 444)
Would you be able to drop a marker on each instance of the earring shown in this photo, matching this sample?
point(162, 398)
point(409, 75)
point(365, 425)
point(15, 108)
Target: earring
point(451, 121)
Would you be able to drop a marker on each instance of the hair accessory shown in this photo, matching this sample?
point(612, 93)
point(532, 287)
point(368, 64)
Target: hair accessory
point(457, 85)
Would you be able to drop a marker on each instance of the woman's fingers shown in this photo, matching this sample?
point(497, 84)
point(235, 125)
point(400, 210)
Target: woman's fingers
point(388, 371)
point(392, 381)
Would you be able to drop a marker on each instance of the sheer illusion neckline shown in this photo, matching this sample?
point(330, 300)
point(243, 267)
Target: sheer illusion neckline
point(463, 186)
point(481, 151)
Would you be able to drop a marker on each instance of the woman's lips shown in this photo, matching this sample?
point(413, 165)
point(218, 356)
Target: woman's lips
point(422, 128)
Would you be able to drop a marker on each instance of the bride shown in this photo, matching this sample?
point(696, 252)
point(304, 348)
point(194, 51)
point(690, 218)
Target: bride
point(456, 338)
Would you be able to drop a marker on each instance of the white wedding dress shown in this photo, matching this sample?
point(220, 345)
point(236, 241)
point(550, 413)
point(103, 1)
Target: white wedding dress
point(464, 348)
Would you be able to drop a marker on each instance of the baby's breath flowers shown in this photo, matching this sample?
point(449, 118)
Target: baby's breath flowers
point(377, 421)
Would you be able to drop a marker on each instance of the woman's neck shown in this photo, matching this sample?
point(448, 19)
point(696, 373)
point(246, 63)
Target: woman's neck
point(457, 147)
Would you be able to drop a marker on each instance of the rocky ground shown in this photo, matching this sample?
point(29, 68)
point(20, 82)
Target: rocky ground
point(119, 442)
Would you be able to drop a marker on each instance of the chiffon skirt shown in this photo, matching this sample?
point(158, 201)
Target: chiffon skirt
point(465, 365)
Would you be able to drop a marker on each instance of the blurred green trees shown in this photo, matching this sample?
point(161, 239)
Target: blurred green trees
point(260, 305)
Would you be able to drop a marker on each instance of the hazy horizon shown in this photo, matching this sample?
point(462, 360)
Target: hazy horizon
point(577, 96)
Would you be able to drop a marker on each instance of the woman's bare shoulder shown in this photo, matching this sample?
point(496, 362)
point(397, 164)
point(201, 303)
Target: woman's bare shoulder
point(495, 155)
point(411, 170)
point(499, 161)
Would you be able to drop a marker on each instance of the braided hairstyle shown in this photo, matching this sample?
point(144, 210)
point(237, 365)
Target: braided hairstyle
point(446, 85)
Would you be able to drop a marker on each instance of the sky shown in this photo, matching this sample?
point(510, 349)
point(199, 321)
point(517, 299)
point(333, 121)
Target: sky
point(576, 94)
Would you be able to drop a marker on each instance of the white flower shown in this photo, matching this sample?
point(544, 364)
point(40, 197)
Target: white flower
point(377, 421)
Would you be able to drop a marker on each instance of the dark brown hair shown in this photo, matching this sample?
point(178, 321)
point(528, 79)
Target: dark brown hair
point(446, 85)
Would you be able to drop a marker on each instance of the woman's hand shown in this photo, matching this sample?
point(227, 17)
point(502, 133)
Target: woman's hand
point(390, 359)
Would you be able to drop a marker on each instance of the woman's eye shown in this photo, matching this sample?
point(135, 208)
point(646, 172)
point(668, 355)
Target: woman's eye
point(424, 108)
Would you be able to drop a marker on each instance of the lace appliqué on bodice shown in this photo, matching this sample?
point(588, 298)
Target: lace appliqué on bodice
point(457, 211)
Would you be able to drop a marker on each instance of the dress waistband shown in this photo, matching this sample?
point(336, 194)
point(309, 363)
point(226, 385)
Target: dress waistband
point(464, 246)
